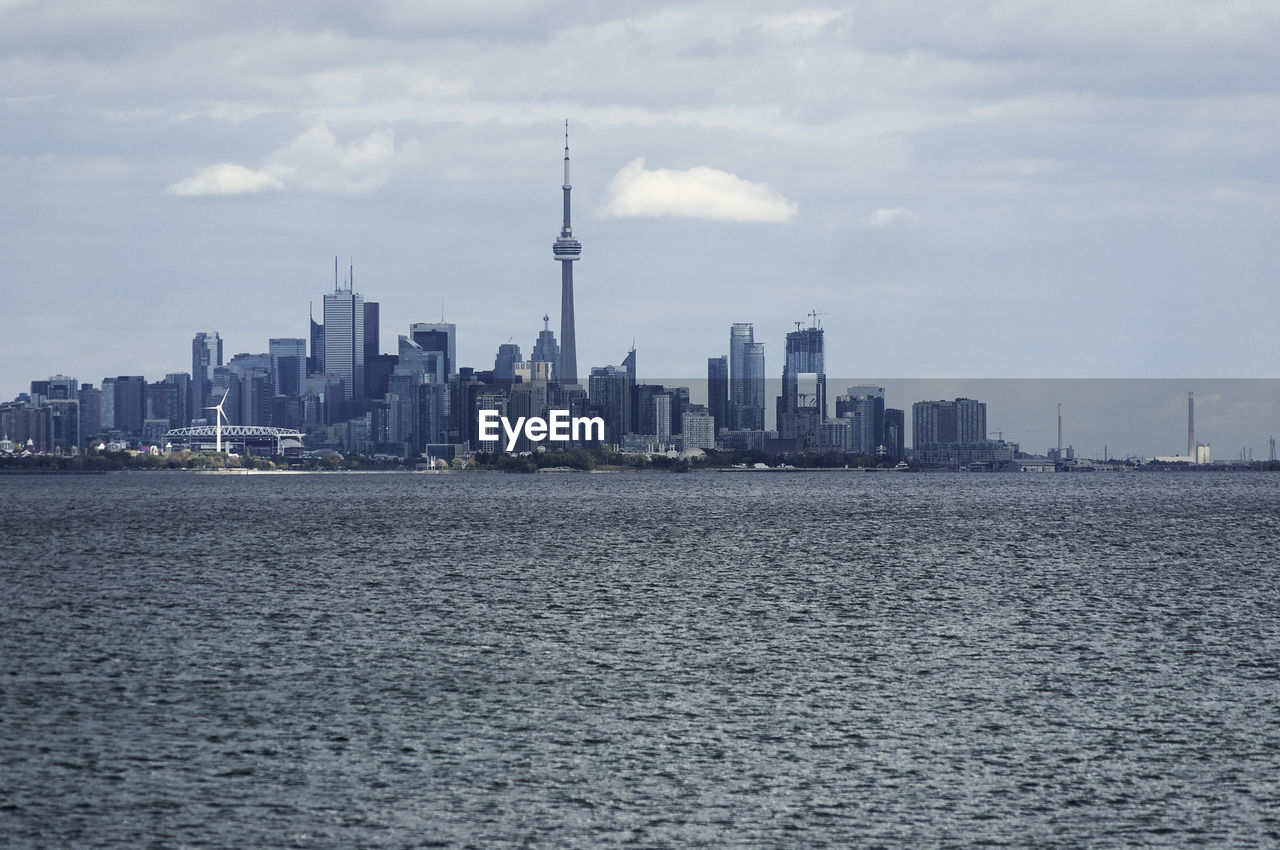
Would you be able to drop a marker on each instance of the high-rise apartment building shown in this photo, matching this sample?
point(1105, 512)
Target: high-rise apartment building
point(963, 420)
point(718, 391)
point(746, 378)
point(895, 431)
point(863, 407)
point(698, 429)
point(804, 384)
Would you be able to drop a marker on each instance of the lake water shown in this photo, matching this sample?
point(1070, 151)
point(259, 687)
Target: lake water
point(726, 660)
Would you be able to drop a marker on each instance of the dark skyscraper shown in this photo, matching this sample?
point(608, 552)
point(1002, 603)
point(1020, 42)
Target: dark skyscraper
point(315, 363)
point(718, 391)
point(566, 250)
point(894, 432)
point(370, 330)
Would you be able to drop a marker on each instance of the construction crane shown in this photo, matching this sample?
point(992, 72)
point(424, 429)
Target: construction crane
point(999, 432)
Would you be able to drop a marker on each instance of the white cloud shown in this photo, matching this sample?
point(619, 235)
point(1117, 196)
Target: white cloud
point(313, 162)
point(698, 192)
point(897, 216)
point(225, 178)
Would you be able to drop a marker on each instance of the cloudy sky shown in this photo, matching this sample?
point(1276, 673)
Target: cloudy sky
point(1011, 189)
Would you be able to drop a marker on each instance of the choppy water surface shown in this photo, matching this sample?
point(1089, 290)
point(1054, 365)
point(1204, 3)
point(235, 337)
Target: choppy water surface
point(733, 660)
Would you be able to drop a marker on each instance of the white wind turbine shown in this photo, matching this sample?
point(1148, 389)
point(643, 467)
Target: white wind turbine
point(220, 416)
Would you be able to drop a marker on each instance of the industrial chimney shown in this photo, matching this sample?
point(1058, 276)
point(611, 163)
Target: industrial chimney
point(1191, 426)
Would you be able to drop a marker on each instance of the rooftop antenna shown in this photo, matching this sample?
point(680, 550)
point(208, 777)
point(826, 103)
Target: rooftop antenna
point(335, 272)
point(351, 275)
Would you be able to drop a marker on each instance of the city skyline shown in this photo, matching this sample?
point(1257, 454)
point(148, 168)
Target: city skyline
point(1062, 181)
point(348, 366)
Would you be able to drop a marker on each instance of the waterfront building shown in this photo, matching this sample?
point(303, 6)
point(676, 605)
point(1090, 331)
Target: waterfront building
point(662, 418)
point(698, 428)
point(130, 407)
point(963, 420)
point(91, 410)
point(746, 378)
point(107, 406)
point(803, 404)
point(863, 407)
point(718, 391)
point(895, 432)
point(65, 431)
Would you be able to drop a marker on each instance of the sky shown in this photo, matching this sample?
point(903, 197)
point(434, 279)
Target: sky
point(980, 190)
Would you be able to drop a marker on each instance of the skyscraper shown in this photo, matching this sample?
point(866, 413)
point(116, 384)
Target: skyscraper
point(441, 337)
point(718, 391)
point(315, 363)
point(566, 250)
point(504, 364)
point(206, 355)
point(746, 378)
point(545, 350)
point(344, 336)
point(804, 378)
point(863, 406)
point(370, 330)
point(288, 364)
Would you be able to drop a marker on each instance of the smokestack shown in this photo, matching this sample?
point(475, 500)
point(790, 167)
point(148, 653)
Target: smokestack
point(1191, 426)
point(1059, 430)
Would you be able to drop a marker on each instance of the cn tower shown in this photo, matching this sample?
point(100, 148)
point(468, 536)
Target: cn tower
point(566, 249)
